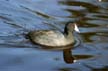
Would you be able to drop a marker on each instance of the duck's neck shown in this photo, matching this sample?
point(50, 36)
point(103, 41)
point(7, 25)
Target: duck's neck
point(69, 35)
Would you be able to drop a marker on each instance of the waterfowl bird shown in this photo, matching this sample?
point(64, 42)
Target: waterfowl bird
point(54, 38)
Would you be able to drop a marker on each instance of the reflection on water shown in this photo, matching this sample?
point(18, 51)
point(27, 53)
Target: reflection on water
point(68, 58)
point(18, 17)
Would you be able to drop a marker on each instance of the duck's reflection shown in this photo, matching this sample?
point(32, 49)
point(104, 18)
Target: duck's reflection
point(67, 54)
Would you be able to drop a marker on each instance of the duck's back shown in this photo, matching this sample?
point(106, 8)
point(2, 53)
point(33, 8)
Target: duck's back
point(48, 38)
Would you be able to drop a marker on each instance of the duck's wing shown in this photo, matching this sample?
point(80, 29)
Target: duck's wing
point(48, 37)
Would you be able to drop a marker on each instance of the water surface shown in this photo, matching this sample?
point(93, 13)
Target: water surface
point(18, 17)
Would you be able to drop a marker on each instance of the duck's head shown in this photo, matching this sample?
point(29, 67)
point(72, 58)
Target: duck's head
point(71, 27)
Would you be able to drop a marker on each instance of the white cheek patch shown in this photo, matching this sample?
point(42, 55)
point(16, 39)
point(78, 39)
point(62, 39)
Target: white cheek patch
point(99, 0)
point(76, 29)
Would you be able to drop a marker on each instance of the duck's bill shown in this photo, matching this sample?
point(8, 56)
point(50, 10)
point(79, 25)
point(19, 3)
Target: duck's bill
point(76, 28)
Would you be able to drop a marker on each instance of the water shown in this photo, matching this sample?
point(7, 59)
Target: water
point(17, 17)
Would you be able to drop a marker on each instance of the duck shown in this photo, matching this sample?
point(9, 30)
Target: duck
point(54, 38)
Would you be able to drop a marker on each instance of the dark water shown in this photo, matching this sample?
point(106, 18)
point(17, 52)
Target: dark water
point(17, 17)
